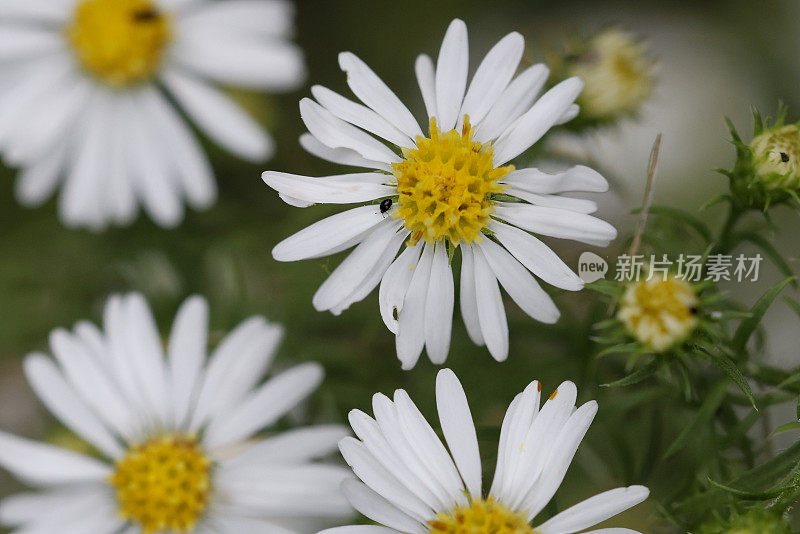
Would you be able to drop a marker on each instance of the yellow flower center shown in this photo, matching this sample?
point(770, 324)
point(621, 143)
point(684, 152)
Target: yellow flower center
point(617, 73)
point(163, 484)
point(776, 156)
point(660, 313)
point(481, 517)
point(119, 41)
point(444, 186)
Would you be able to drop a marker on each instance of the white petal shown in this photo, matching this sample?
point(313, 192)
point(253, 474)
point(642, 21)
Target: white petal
point(240, 17)
point(237, 364)
point(361, 116)
point(536, 256)
point(410, 337)
point(569, 114)
point(519, 283)
point(63, 502)
point(80, 201)
point(41, 464)
point(234, 59)
point(392, 450)
point(329, 190)
point(359, 529)
point(374, 475)
point(561, 454)
point(371, 90)
point(62, 401)
point(121, 204)
point(578, 205)
point(537, 121)
point(594, 510)
point(342, 156)
point(439, 306)
point(375, 274)
point(394, 286)
point(356, 267)
point(426, 78)
point(296, 446)
point(20, 43)
point(187, 354)
point(459, 429)
point(219, 117)
point(469, 304)
point(34, 10)
point(578, 178)
point(378, 509)
point(144, 348)
point(183, 150)
point(515, 100)
point(83, 368)
point(429, 447)
point(326, 236)
point(559, 223)
point(492, 77)
point(491, 313)
point(451, 74)
point(149, 167)
point(264, 406)
point(36, 183)
point(336, 133)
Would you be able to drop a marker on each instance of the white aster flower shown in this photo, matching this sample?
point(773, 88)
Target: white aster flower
point(410, 483)
point(174, 434)
point(88, 95)
point(452, 190)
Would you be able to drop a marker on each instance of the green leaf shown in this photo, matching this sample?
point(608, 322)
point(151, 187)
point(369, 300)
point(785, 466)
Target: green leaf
point(749, 495)
point(683, 216)
point(748, 326)
point(730, 368)
point(768, 249)
point(617, 349)
point(634, 378)
point(788, 426)
point(703, 416)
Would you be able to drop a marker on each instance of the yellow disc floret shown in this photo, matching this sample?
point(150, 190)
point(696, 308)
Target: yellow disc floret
point(776, 157)
point(658, 312)
point(119, 41)
point(444, 186)
point(481, 517)
point(163, 485)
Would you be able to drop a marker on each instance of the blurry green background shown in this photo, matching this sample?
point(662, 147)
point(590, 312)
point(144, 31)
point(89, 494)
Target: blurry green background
point(715, 58)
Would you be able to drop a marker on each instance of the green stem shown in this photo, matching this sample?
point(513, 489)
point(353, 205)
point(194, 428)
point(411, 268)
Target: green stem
point(725, 241)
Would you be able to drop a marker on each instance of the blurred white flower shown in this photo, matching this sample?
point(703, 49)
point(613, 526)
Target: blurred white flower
point(410, 483)
point(450, 190)
point(89, 89)
point(174, 432)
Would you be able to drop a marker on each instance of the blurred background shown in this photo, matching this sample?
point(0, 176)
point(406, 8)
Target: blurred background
point(714, 59)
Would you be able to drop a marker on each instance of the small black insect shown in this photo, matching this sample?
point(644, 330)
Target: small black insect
point(386, 205)
point(694, 310)
point(145, 15)
point(784, 157)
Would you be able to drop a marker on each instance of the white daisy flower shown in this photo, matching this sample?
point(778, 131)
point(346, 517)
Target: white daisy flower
point(410, 483)
point(452, 189)
point(174, 434)
point(89, 90)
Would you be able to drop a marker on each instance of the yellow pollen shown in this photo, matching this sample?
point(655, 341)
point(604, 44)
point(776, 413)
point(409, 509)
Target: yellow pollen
point(481, 517)
point(163, 484)
point(444, 186)
point(660, 313)
point(119, 41)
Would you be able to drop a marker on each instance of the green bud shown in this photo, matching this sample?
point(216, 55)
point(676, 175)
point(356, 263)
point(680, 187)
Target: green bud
point(767, 169)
